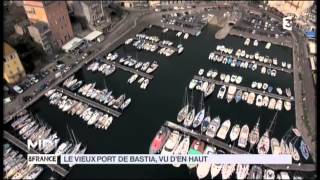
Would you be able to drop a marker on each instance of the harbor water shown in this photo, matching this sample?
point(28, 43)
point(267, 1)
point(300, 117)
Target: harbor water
point(134, 130)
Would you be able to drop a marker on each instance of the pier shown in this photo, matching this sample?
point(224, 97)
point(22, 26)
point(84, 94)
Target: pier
point(157, 43)
point(129, 69)
point(243, 88)
point(54, 167)
point(256, 62)
point(90, 102)
point(236, 150)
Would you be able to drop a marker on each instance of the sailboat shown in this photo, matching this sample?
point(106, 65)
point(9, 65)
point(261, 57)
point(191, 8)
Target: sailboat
point(254, 134)
point(182, 148)
point(264, 143)
point(200, 115)
point(190, 116)
point(206, 121)
point(184, 111)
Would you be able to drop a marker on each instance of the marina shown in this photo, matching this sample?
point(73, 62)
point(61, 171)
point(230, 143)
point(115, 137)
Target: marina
point(141, 122)
point(158, 44)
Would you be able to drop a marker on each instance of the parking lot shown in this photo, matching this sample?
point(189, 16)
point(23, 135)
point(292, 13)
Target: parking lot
point(261, 25)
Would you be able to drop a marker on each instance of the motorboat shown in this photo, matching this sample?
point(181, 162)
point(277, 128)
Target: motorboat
point(205, 123)
point(238, 79)
point(279, 105)
point(231, 92)
point(288, 92)
point(245, 96)
point(208, 91)
point(213, 127)
point(225, 126)
point(233, 78)
point(171, 143)
point(259, 85)
point(144, 84)
point(255, 42)
point(197, 148)
point(268, 174)
point(133, 78)
point(234, 133)
point(243, 137)
point(279, 90)
point(287, 105)
point(201, 71)
point(247, 41)
point(222, 76)
point(227, 79)
point(259, 100)
point(265, 101)
point(159, 140)
point(193, 83)
point(251, 98)
point(254, 84)
point(204, 168)
point(221, 92)
point(125, 104)
point(152, 67)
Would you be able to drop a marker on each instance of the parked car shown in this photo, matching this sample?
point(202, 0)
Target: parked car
point(17, 89)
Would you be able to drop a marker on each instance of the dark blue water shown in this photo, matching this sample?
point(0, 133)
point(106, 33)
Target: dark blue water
point(149, 109)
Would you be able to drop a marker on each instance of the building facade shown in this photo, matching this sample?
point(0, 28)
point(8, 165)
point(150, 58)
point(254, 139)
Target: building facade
point(13, 71)
point(298, 8)
point(42, 35)
point(55, 15)
point(94, 12)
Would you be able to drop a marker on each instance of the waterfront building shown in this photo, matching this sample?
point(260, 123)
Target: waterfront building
point(42, 35)
point(13, 71)
point(55, 15)
point(298, 8)
point(94, 12)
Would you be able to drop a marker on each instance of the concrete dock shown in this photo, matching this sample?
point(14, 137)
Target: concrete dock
point(129, 69)
point(54, 167)
point(89, 102)
point(243, 88)
point(257, 62)
point(236, 150)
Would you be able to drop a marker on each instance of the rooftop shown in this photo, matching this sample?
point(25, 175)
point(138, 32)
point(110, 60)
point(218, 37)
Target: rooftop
point(7, 49)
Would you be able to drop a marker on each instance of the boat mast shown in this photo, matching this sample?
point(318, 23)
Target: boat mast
point(272, 122)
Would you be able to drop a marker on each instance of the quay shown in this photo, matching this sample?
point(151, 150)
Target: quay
point(243, 88)
point(54, 167)
point(256, 62)
point(174, 27)
point(129, 69)
point(157, 43)
point(89, 102)
point(236, 150)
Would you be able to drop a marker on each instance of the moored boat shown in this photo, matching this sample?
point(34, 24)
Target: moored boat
point(225, 126)
point(159, 140)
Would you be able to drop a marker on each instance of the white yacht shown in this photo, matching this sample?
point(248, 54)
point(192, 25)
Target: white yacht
point(238, 79)
point(287, 105)
point(171, 143)
point(213, 127)
point(193, 83)
point(182, 148)
point(268, 174)
point(221, 92)
point(201, 71)
point(225, 126)
point(204, 168)
point(227, 170)
point(243, 138)
point(227, 79)
point(234, 133)
point(255, 43)
point(133, 78)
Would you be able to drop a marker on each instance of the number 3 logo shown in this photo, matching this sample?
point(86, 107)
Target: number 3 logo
point(287, 23)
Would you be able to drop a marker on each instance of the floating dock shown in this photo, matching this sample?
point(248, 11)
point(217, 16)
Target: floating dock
point(256, 62)
point(129, 69)
point(243, 88)
point(236, 150)
point(89, 102)
point(54, 167)
point(157, 43)
point(190, 31)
